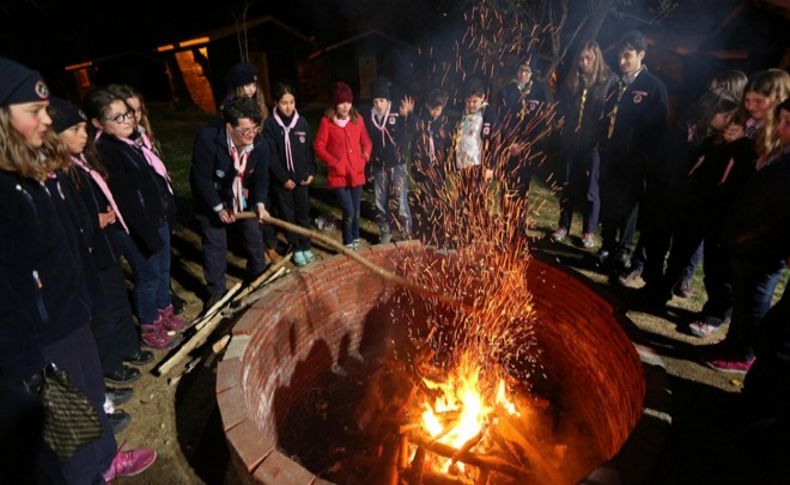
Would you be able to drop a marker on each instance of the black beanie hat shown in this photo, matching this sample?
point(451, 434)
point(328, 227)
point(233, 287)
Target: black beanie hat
point(381, 88)
point(18, 84)
point(241, 74)
point(64, 114)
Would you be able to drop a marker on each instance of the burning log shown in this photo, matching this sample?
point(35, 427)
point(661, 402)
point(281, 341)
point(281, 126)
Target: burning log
point(434, 478)
point(417, 465)
point(512, 430)
point(483, 462)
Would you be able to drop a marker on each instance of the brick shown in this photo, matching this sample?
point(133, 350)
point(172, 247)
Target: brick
point(236, 347)
point(232, 407)
point(228, 374)
point(277, 469)
point(251, 445)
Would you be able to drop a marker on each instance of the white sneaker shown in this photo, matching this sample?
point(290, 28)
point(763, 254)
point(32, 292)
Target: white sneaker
point(559, 235)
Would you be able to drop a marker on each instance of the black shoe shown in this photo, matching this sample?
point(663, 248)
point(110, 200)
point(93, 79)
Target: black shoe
point(118, 395)
point(602, 257)
point(140, 357)
point(123, 375)
point(178, 303)
point(119, 420)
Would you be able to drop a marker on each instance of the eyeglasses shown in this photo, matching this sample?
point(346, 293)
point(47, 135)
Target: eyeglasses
point(121, 117)
point(247, 131)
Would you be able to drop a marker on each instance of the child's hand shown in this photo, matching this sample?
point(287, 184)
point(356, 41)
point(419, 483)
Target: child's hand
point(289, 185)
point(406, 106)
point(733, 132)
point(307, 181)
point(106, 218)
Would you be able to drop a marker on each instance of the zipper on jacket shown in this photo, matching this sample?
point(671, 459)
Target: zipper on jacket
point(29, 200)
point(40, 306)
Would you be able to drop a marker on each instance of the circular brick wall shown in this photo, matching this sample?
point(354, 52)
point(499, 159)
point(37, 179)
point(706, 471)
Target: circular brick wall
point(306, 324)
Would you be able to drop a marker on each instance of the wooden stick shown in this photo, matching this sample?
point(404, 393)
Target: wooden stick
point(374, 268)
point(403, 454)
point(271, 270)
point(199, 323)
point(417, 465)
point(481, 461)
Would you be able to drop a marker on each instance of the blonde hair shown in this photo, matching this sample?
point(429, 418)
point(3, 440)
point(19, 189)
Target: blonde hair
point(600, 71)
point(17, 156)
point(260, 99)
point(774, 84)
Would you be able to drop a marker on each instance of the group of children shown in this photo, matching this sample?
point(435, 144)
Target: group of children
point(87, 186)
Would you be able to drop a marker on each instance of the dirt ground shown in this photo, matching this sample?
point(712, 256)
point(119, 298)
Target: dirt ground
point(182, 421)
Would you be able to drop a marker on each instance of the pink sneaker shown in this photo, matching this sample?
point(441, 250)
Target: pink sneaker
point(130, 463)
point(731, 366)
point(170, 320)
point(701, 329)
point(154, 335)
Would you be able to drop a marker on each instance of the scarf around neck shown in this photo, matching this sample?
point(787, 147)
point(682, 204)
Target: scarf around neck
point(289, 159)
point(382, 127)
point(105, 189)
point(240, 164)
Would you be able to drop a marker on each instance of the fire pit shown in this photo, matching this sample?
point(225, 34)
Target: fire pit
point(312, 323)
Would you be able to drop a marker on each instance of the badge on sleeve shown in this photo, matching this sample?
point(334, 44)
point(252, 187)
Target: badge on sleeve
point(301, 139)
point(391, 120)
point(486, 130)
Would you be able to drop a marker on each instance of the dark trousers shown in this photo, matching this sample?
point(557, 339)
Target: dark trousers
point(151, 274)
point(77, 355)
point(580, 189)
point(349, 199)
point(294, 207)
point(213, 235)
point(112, 324)
point(269, 232)
point(753, 285)
point(618, 222)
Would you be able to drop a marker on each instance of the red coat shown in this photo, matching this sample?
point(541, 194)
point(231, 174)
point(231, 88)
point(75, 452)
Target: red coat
point(345, 152)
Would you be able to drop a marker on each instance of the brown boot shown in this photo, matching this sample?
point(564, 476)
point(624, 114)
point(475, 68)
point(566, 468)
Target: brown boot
point(273, 256)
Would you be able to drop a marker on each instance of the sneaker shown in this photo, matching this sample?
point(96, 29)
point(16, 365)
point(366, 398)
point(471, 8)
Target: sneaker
point(628, 277)
point(130, 463)
point(702, 329)
point(588, 240)
point(602, 258)
point(685, 289)
point(386, 237)
point(155, 336)
point(309, 256)
point(170, 320)
point(731, 366)
point(299, 259)
point(356, 244)
point(350, 247)
point(559, 235)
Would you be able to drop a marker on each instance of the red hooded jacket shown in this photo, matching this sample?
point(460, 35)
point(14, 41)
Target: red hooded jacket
point(344, 150)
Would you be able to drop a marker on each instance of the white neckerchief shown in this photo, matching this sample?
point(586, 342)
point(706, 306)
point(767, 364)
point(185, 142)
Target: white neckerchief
point(289, 158)
point(240, 164)
point(383, 126)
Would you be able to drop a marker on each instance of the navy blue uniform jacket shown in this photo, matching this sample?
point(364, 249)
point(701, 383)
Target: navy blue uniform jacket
point(212, 172)
point(301, 149)
point(385, 153)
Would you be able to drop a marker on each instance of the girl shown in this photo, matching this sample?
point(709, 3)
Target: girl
point(343, 144)
point(292, 167)
point(141, 187)
point(113, 327)
point(45, 307)
point(581, 103)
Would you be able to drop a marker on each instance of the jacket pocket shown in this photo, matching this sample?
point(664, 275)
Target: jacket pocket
point(41, 307)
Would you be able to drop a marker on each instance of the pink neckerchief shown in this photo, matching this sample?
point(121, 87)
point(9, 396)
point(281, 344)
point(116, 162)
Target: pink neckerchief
point(289, 158)
point(152, 158)
point(341, 122)
point(240, 164)
point(383, 126)
point(83, 164)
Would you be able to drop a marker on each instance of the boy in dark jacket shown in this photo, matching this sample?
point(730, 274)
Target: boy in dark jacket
point(634, 127)
point(391, 135)
point(230, 174)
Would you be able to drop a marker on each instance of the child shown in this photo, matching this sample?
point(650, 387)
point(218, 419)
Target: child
point(432, 144)
point(45, 307)
point(292, 166)
point(112, 323)
point(475, 130)
point(343, 144)
point(581, 105)
point(140, 184)
point(391, 140)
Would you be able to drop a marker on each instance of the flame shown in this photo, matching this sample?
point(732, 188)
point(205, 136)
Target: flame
point(469, 397)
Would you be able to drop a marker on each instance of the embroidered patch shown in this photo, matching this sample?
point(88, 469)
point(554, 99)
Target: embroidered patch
point(301, 139)
point(486, 130)
point(82, 115)
point(42, 91)
point(639, 96)
point(391, 120)
point(220, 174)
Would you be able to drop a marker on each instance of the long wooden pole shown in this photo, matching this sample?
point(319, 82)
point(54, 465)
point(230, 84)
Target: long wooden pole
point(374, 268)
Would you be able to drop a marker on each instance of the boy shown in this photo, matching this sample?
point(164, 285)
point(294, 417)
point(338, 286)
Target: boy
point(475, 130)
point(634, 126)
point(391, 135)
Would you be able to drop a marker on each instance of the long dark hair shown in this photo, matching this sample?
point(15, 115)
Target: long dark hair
point(712, 102)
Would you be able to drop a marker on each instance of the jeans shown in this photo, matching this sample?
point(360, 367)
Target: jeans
point(580, 188)
point(753, 286)
point(349, 198)
point(151, 275)
point(385, 179)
